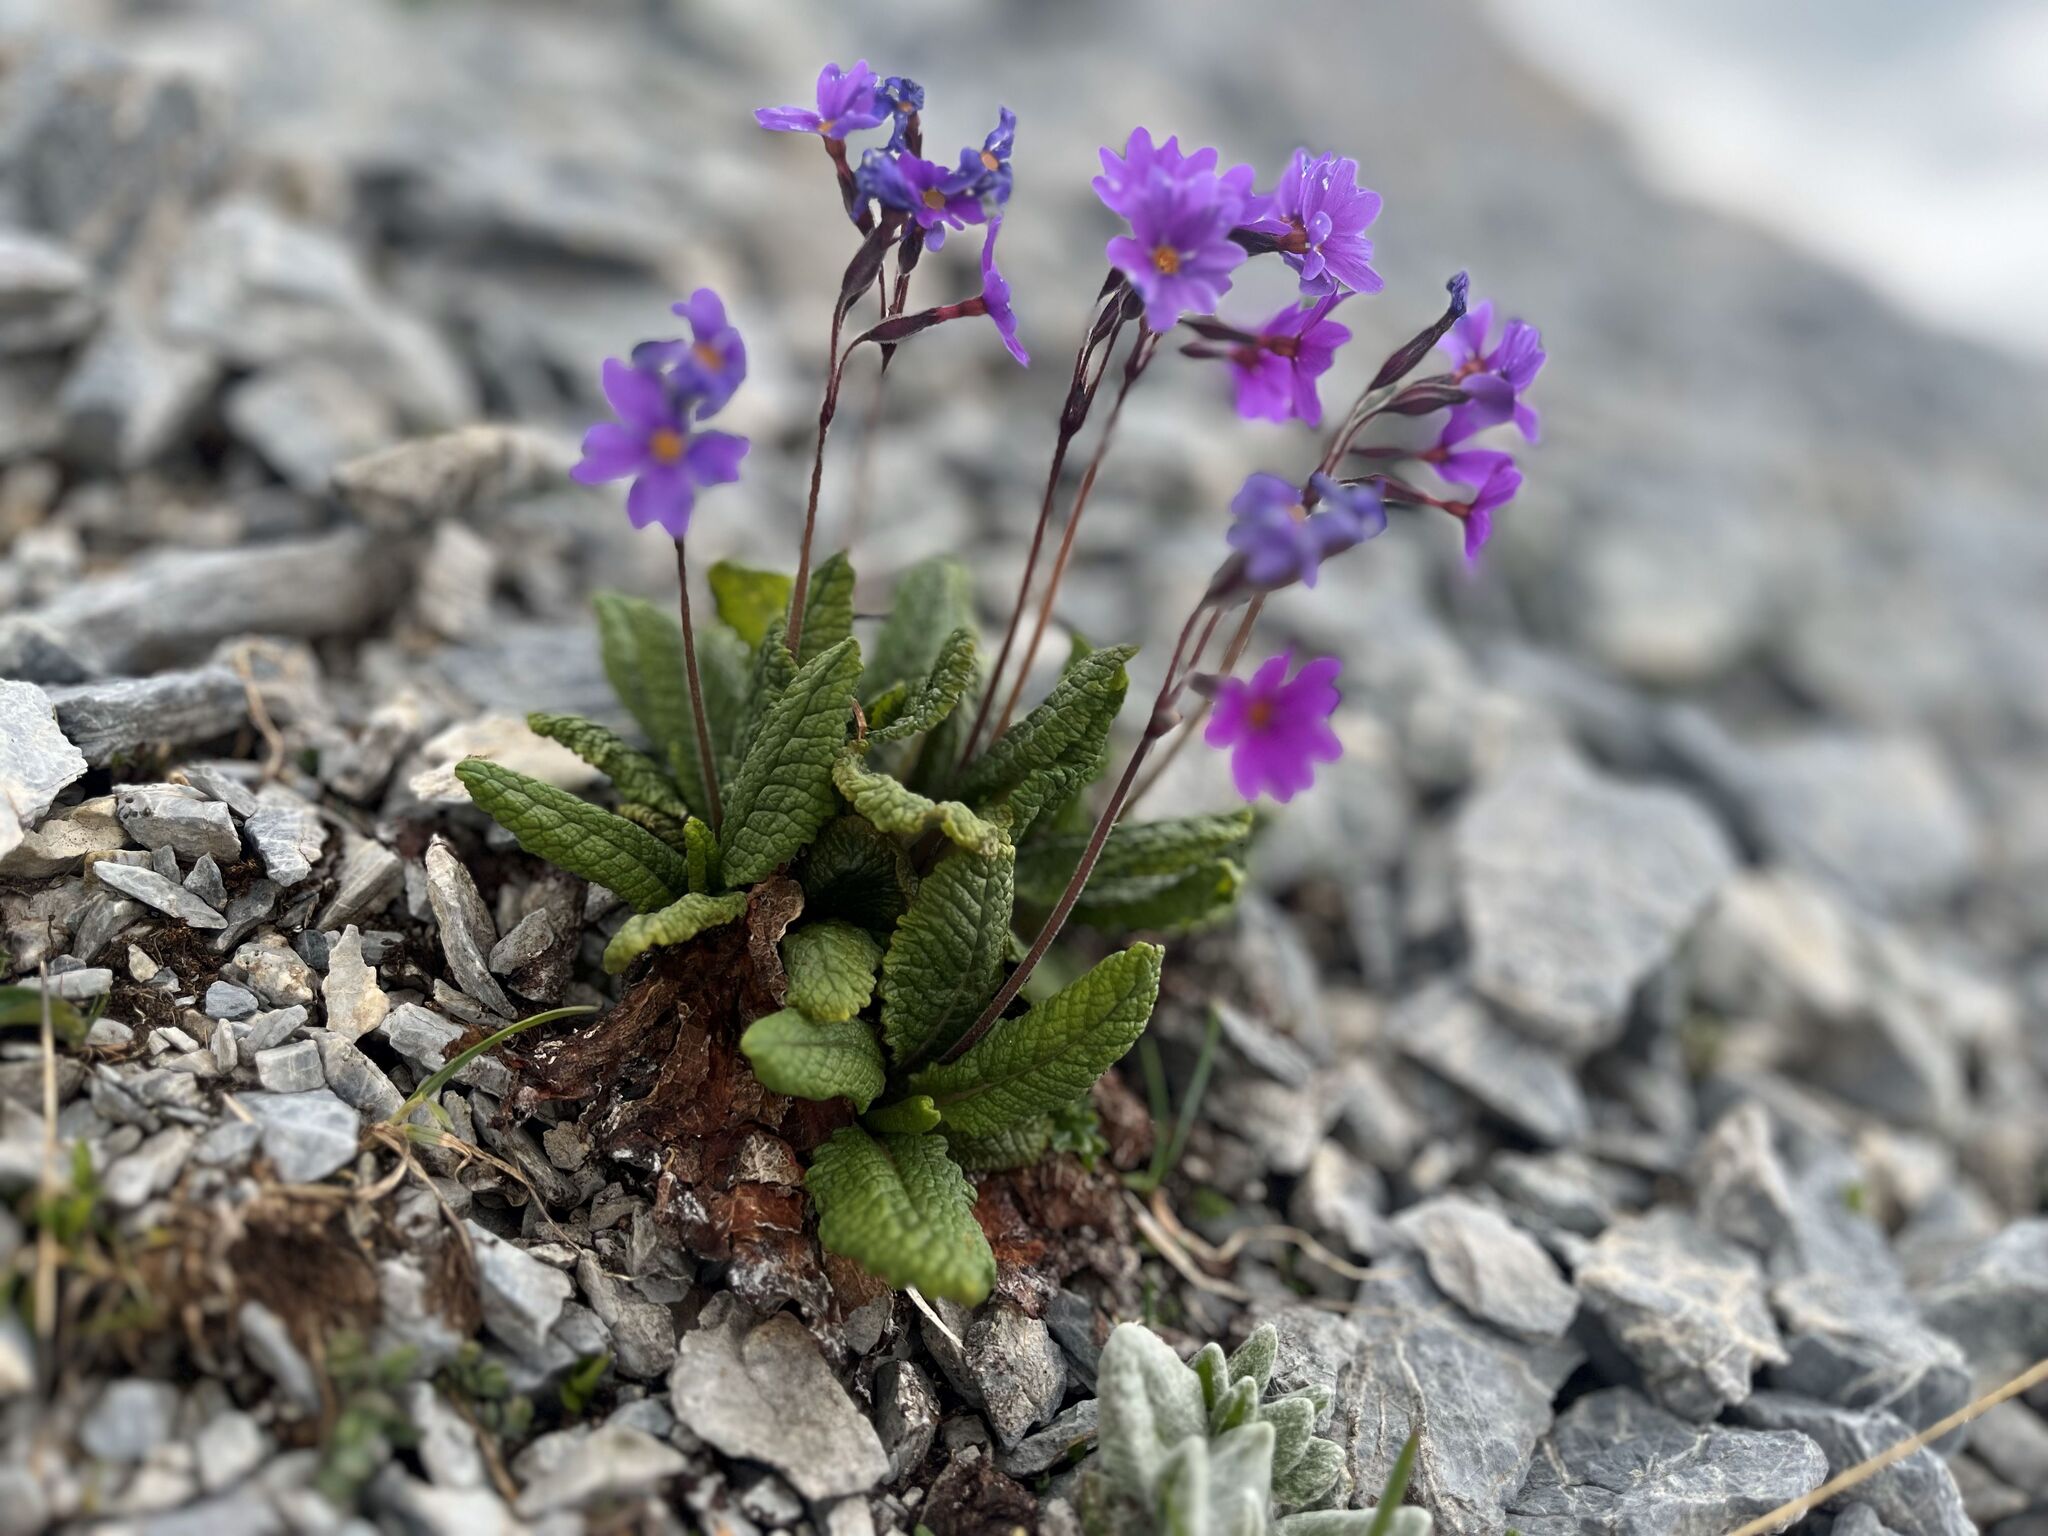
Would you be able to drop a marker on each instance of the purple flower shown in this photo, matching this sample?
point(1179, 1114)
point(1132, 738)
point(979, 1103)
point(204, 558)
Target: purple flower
point(1496, 491)
point(1514, 360)
point(932, 195)
point(985, 172)
point(712, 364)
point(653, 442)
point(1277, 728)
point(1318, 214)
point(995, 296)
point(847, 101)
point(1125, 178)
point(1179, 254)
point(904, 98)
point(1282, 542)
point(1276, 373)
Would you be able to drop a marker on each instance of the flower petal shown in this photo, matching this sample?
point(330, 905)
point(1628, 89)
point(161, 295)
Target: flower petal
point(662, 495)
point(635, 394)
point(610, 452)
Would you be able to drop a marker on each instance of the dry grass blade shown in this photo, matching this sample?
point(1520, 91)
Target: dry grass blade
point(1785, 1514)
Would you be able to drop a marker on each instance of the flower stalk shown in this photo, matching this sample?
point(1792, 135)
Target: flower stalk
point(706, 760)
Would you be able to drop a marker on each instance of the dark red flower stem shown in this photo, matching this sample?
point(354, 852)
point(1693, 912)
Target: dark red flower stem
point(713, 812)
point(799, 593)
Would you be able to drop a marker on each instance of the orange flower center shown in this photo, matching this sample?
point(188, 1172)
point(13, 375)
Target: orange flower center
point(665, 445)
point(1165, 260)
point(707, 354)
point(1259, 715)
point(989, 161)
point(934, 198)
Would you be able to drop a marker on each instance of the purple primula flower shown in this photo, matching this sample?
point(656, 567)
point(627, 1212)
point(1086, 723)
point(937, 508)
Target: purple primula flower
point(1282, 542)
point(1514, 360)
point(1125, 177)
point(712, 364)
point(1276, 728)
point(654, 443)
point(1318, 214)
point(1276, 374)
point(1496, 491)
point(904, 98)
point(985, 172)
point(1179, 254)
point(847, 102)
point(932, 195)
point(995, 296)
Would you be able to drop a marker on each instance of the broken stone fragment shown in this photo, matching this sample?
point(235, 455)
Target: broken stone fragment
point(467, 933)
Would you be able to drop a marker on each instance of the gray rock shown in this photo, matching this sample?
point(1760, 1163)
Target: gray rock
point(448, 1446)
point(1685, 1306)
point(307, 1135)
point(1564, 1190)
point(1614, 1462)
point(467, 933)
point(228, 1448)
point(367, 878)
point(763, 1391)
point(36, 761)
point(1066, 1437)
point(307, 416)
point(226, 1000)
point(1916, 1496)
point(1993, 1301)
point(1575, 887)
point(522, 1297)
point(64, 841)
point(355, 1003)
point(356, 1080)
point(906, 1416)
point(643, 1332)
point(426, 1039)
point(255, 906)
point(274, 972)
point(2012, 1440)
point(1491, 1268)
point(1340, 1200)
point(407, 1504)
point(106, 719)
point(132, 395)
point(287, 835)
point(152, 889)
point(219, 781)
point(204, 881)
point(1861, 1344)
point(150, 1169)
point(422, 481)
point(1860, 1520)
point(179, 818)
point(274, 1027)
point(1006, 1364)
point(82, 985)
point(46, 294)
point(1071, 1317)
point(293, 1068)
point(524, 942)
point(1526, 1084)
point(1400, 1365)
point(575, 1467)
point(131, 1418)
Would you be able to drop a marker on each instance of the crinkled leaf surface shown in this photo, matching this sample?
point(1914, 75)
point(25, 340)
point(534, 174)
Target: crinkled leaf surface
point(854, 871)
point(1203, 895)
point(815, 1058)
point(575, 835)
point(677, 923)
point(782, 793)
point(828, 610)
point(888, 804)
point(748, 600)
point(1011, 1147)
point(1134, 851)
point(1081, 707)
point(935, 698)
point(636, 776)
point(831, 967)
point(944, 960)
point(934, 598)
point(898, 1206)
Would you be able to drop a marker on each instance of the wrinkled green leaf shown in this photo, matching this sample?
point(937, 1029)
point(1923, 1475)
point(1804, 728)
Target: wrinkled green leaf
point(854, 871)
point(1253, 1359)
point(664, 826)
point(828, 609)
point(831, 967)
point(907, 1117)
point(1032, 1064)
point(815, 1058)
point(1012, 1147)
point(643, 657)
point(782, 793)
point(1079, 710)
point(636, 776)
point(898, 1206)
point(1149, 1403)
point(677, 923)
point(750, 601)
point(934, 698)
point(700, 852)
point(1203, 895)
point(905, 813)
point(944, 960)
point(573, 834)
point(1314, 1466)
point(23, 1005)
point(1135, 850)
point(768, 674)
point(934, 598)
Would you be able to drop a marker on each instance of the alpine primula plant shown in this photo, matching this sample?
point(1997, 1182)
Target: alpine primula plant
point(846, 856)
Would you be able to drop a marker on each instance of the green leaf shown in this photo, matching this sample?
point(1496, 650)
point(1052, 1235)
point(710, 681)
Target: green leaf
point(904, 812)
point(1294, 1425)
point(1253, 1359)
point(700, 852)
point(828, 610)
point(1310, 1471)
point(580, 1385)
point(935, 697)
point(575, 835)
point(767, 676)
point(782, 793)
point(909, 1117)
point(886, 706)
point(643, 657)
point(1079, 710)
point(677, 923)
point(664, 826)
point(1031, 1065)
point(815, 1058)
point(1134, 851)
point(934, 598)
point(897, 1206)
point(1203, 895)
point(636, 776)
point(854, 871)
point(1149, 1403)
point(831, 968)
point(24, 1005)
point(750, 601)
point(1012, 1147)
point(945, 957)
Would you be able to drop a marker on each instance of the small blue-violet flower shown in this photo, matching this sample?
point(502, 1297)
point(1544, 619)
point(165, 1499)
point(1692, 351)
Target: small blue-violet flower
point(995, 296)
point(654, 442)
point(985, 172)
point(1276, 372)
point(1281, 542)
point(931, 194)
point(1125, 177)
point(1276, 728)
point(1318, 216)
point(1179, 254)
point(1513, 361)
point(848, 100)
point(712, 363)
point(1495, 492)
point(904, 98)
